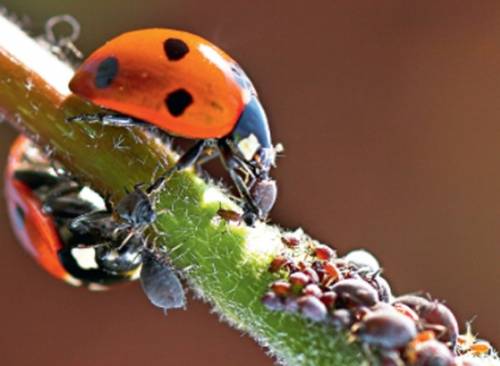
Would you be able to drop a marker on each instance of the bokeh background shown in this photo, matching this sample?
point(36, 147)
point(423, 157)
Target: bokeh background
point(390, 114)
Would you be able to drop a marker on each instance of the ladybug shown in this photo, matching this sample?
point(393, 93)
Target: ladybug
point(187, 87)
point(49, 208)
point(41, 202)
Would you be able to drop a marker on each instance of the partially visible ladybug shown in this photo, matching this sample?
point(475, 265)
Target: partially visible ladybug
point(187, 87)
point(41, 202)
point(71, 232)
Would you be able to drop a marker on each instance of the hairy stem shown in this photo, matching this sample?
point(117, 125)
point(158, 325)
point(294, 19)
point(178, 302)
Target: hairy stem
point(226, 264)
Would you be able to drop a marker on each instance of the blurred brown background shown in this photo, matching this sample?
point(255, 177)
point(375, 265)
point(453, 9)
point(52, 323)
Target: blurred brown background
point(390, 114)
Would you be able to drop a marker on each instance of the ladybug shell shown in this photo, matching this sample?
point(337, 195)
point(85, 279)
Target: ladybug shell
point(175, 80)
point(36, 231)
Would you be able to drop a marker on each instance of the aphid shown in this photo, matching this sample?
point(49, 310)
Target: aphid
point(298, 280)
point(290, 241)
point(328, 298)
point(430, 353)
point(312, 308)
point(277, 263)
point(341, 319)
point(281, 288)
point(312, 289)
point(355, 292)
point(229, 215)
point(385, 329)
point(187, 87)
point(324, 252)
point(272, 301)
point(433, 315)
point(161, 284)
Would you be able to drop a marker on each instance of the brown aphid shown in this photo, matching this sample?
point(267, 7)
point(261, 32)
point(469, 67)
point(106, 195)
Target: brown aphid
point(229, 215)
point(355, 292)
point(331, 274)
point(298, 280)
point(290, 241)
point(385, 329)
point(277, 264)
point(324, 252)
point(281, 288)
point(312, 289)
point(328, 298)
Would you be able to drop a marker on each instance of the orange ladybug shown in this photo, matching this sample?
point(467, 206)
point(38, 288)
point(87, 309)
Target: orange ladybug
point(187, 87)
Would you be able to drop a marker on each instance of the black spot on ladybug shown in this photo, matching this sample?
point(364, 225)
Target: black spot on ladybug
point(175, 49)
point(106, 72)
point(177, 101)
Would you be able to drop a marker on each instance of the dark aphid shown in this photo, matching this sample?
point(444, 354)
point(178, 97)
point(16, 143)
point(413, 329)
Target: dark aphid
point(161, 284)
point(272, 301)
point(391, 358)
point(312, 308)
point(328, 298)
point(381, 285)
point(441, 315)
point(291, 304)
point(264, 193)
point(431, 353)
point(341, 319)
point(354, 292)
point(406, 310)
point(312, 274)
point(433, 313)
point(385, 329)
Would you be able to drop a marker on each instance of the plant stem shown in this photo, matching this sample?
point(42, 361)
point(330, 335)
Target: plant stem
point(225, 264)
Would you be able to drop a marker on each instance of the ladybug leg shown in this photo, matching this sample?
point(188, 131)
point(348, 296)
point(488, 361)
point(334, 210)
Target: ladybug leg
point(108, 119)
point(189, 158)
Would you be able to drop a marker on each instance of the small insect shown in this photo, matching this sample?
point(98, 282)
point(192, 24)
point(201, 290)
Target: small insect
point(385, 329)
point(355, 293)
point(431, 352)
point(187, 87)
point(433, 315)
point(229, 215)
point(41, 202)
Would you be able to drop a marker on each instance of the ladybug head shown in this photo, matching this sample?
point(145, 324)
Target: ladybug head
point(252, 136)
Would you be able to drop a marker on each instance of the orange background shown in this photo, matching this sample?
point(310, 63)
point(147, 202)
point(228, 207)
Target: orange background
point(390, 114)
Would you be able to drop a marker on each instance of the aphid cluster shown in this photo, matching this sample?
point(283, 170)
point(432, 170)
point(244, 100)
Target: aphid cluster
point(350, 294)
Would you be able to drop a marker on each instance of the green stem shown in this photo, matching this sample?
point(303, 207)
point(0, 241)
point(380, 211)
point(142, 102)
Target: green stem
point(225, 264)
